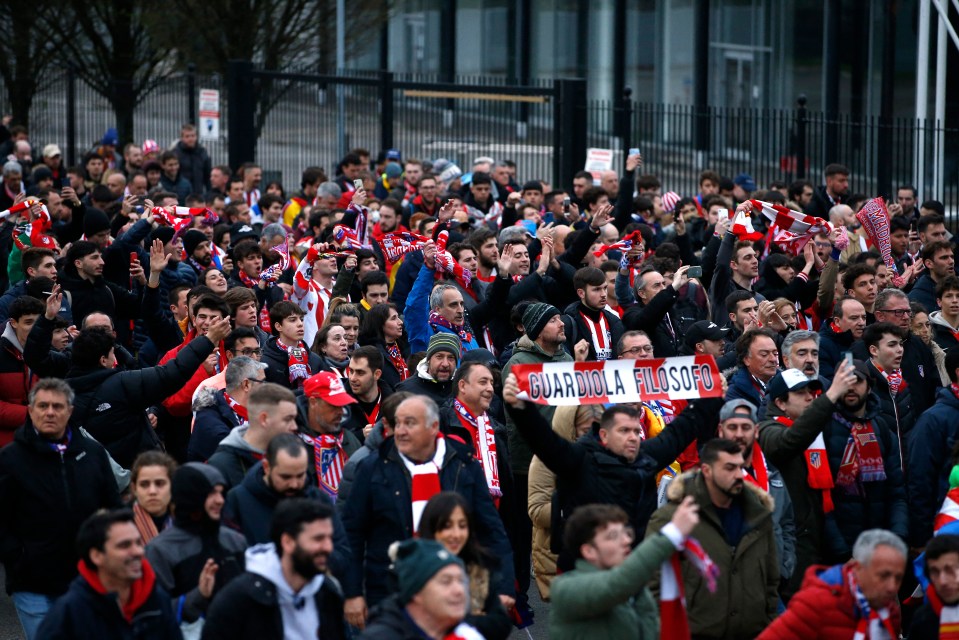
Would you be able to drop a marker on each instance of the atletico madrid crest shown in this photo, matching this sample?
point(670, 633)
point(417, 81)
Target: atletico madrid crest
point(814, 459)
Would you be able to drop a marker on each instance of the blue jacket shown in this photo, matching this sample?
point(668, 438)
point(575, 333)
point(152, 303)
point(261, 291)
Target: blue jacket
point(831, 347)
point(214, 421)
point(924, 292)
point(742, 385)
point(249, 509)
point(379, 512)
point(417, 313)
point(929, 449)
point(20, 289)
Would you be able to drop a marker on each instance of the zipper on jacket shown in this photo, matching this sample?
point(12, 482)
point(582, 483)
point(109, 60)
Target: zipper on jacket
point(66, 484)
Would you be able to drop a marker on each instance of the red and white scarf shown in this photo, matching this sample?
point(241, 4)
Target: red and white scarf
point(463, 631)
point(872, 624)
point(818, 474)
point(237, 408)
point(600, 335)
point(948, 615)
point(760, 473)
point(251, 197)
point(396, 359)
point(298, 361)
point(484, 445)
point(893, 378)
point(861, 459)
point(672, 600)
point(425, 479)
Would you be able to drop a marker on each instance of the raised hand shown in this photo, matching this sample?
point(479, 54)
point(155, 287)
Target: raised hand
point(158, 258)
point(54, 301)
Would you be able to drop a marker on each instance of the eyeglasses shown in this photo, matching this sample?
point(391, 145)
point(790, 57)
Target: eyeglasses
point(256, 380)
point(642, 349)
point(250, 352)
point(899, 313)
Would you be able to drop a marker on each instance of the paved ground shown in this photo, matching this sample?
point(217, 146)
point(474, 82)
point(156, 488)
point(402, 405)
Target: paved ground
point(10, 627)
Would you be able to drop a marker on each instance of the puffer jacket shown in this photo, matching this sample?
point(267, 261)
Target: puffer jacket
point(542, 489)
point(930, 447)
point(528, 352)
point(824, 609)
point(746, 598)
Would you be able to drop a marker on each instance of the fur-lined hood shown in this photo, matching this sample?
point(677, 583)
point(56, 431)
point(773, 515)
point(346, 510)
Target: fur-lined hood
point(684, 485)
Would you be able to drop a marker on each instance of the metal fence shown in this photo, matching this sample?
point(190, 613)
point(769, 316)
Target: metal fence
point(544, 127)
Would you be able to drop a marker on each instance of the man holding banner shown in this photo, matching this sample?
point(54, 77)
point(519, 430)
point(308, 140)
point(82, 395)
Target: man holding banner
point(613, 465)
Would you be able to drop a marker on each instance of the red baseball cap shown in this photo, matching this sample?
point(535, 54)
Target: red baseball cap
point(328, 387)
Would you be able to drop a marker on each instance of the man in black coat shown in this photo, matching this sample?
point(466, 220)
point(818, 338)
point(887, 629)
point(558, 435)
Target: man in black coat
point(283, 592)
point(116, 594)
point(51, 479)
point(610, 467)
point(827, 196)
point(656, 298)
point(382, 509)
point(111, 403)
point(195, 164)
point(433, 377)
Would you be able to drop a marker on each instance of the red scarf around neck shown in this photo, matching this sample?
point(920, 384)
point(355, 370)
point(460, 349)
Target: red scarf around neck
point(298, 361)
point(396, 359)
point(760, 474)
point(238, 408)
point(484, 445)
point(140, 590)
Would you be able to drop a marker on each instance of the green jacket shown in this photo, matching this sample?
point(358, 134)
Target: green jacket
point(745, 601)
point(589, 602)
point(785, 447)
point(528, 352)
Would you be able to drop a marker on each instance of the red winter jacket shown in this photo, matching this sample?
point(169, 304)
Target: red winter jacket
point(823, 609)
point(15, 383)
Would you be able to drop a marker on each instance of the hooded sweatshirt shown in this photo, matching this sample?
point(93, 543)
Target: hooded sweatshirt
point(300, 617)
point(234, 456)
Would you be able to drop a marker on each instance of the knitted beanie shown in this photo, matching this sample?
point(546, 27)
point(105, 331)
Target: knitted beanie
point(536, 316)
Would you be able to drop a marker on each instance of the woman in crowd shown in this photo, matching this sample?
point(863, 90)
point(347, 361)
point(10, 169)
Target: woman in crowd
point(923, 328)
point(571, 423)
point(331, 345)
point(214, 279)
point(447, 519)
point(346, 315)
point(150, 482)
point(383, 328)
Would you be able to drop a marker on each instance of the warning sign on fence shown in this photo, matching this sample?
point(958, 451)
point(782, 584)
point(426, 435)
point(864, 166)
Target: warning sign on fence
point(209, 114)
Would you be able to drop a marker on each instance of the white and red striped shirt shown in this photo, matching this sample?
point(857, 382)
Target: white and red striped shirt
point(312, 297)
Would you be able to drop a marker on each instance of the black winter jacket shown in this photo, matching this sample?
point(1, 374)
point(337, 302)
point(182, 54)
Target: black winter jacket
point(379, 512)
point(111, 404)
point(214, 421)
point(587, 472)
point(44, 498)
point(85, 613)
point(278, 370)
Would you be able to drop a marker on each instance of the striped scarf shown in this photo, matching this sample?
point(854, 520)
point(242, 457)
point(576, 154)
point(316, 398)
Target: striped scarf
point(425, 479)
point(298, 361)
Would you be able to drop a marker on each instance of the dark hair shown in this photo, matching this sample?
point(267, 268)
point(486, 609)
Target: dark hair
point(33, 256)
point(80, 250)
point(952, 363)
point(647, 182)
point(373, 278)
point(463, 373)
point(371, 328)
point(173, 297)
point(587, 520)
point(481, 177)
point(949, 283)
point(745, 342)
point(588, 276)
point(796, 188)
point(733, 299)
point(393, 204)
point(246, 248)
point(865, 256)
point(873, 333)
point(711, 450)
point(436, 517)
point(229, 343)
point(267, 200)
point(25, 306)
point(592, 195)
point(236, 297)
point(321, 337)
point(95, 530)
point(152, 459)
point(899, 223)
point(288, 443)
point(609, 416)
point(930, 250)
point(282, 310)
point(91, 345)
point(929, 219)
point(835, 169)
point(856, 271)
point(457, 248)
point(939, 546)
point(211, 302)
point(291, 514)
point(391, 403)
point(934, 205)
point(372, 355)
point(710, 175)
point(478, 237)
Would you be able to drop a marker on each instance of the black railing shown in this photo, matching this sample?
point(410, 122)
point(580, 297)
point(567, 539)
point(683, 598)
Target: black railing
point(287, 121)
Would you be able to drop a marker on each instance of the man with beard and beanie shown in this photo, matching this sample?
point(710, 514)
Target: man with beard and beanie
point(285, 591)
point(856, 599)
point(432, 599)
point(735, 530)
point(116, 594)
point(196, 557)
point(282, 475)
point(434, 373)
point(737, 422)
point(601, 328)
point(196, 246)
